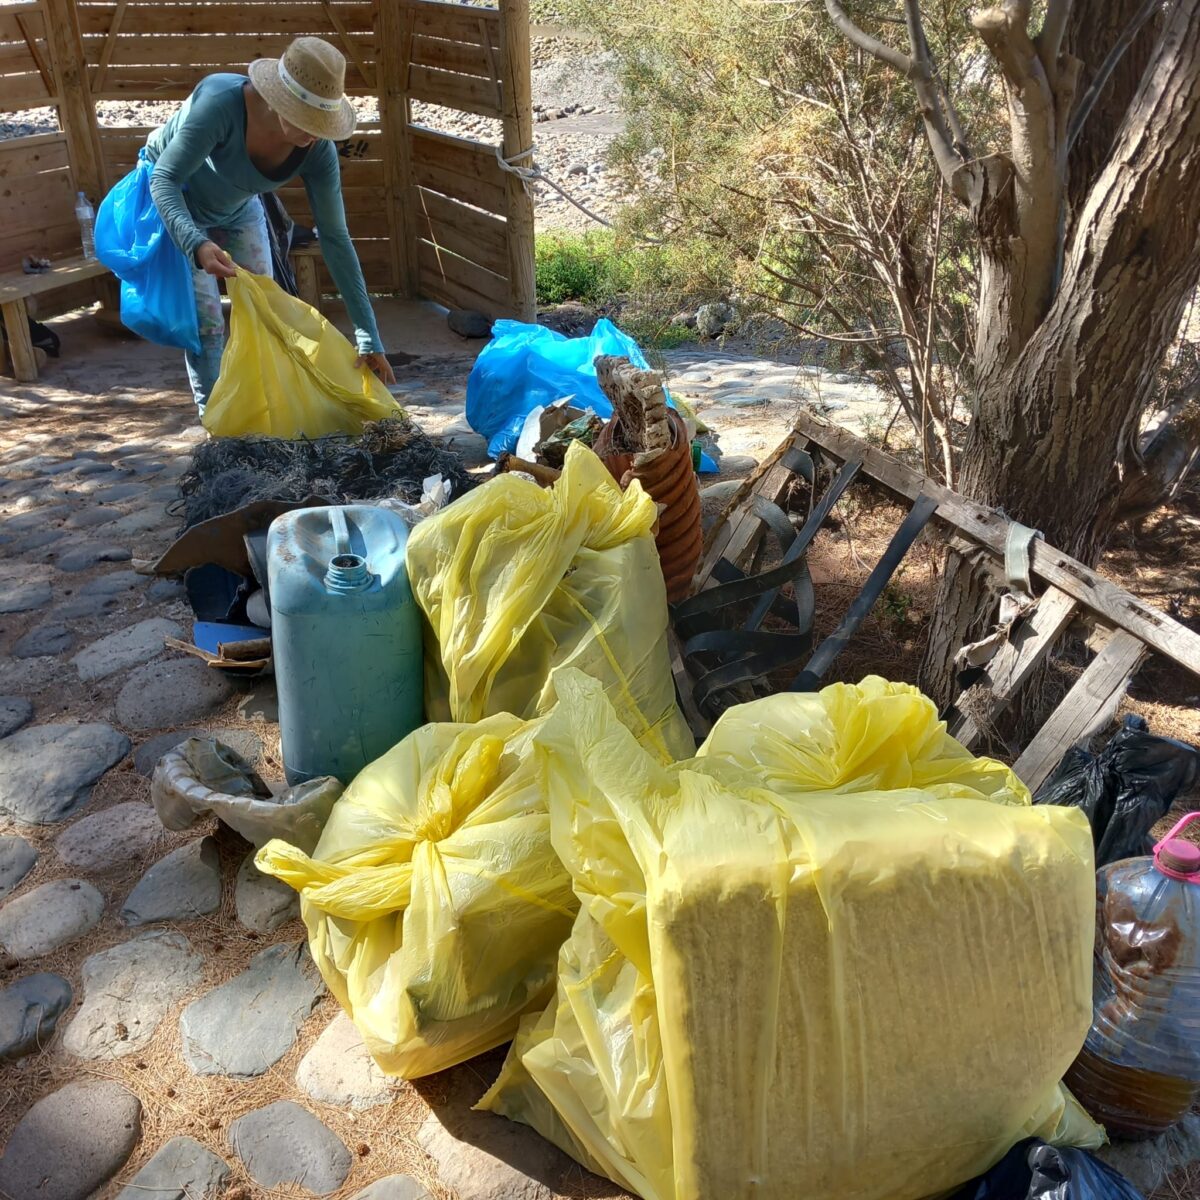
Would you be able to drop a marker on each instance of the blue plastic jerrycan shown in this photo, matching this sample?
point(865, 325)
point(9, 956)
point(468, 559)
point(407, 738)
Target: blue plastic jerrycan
point(346, 638)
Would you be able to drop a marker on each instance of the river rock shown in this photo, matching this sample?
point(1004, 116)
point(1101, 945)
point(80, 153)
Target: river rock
point(47, 771)
point(284, 1143)
point(124, 649)
point(182, 1170)
point(469, 324)
point(15, 712)
point(263, 902)
point(110, 838)
point(247, 1025)
point(79, 556)
point(49, 916)
point(175, 692)
point(71, 1142)
point(394, 1187)
point(44, 640)
point(481, 1156)
point(183, 885)
point(338, 1070)
point(29, 1011)
point(127, 990)
point(21, 596)
point(17, 857)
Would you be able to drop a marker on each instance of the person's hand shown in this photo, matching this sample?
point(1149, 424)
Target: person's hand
point(378, 364)
point(215, 261)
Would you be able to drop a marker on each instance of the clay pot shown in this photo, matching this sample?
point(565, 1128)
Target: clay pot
point(669, 480)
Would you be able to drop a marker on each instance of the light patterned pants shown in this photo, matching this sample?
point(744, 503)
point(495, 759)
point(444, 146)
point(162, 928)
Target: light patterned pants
point(250, 248)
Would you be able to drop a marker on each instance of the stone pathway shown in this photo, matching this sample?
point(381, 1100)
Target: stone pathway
point(163, 1029)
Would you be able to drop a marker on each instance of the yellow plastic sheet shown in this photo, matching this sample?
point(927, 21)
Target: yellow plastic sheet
point(516, 581)
point(434, 902)
point(851, 994)
point(287, 373)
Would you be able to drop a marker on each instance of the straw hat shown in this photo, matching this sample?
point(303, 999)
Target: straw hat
point(306, 87)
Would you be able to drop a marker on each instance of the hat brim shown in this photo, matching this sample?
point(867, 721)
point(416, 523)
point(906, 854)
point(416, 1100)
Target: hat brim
point(333, 126)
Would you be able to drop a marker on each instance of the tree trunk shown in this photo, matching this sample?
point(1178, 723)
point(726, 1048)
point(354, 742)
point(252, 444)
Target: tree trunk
point(1051, 428)
point(1092, 31)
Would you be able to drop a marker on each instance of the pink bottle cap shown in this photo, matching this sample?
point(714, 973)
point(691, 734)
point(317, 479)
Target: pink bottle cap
point(1176, 858)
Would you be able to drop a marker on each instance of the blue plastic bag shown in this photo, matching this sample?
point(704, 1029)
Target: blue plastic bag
point(157, 300)
point(527, 366)
point(1032, 1170)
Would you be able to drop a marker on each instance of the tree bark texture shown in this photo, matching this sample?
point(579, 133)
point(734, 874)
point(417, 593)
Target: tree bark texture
point(1092, 32)
point(1052, 427)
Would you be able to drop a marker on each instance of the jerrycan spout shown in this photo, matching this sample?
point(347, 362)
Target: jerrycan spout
point(347, 571)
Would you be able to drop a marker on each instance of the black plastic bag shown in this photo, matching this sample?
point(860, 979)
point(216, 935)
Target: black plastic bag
point(1032, 1170)
point(1126, 789)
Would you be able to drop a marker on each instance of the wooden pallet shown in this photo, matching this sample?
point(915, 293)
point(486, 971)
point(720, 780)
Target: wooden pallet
point(1124, 630)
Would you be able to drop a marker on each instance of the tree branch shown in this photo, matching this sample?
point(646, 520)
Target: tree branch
point(948, 155)
point(1107, 67)
point(1049, 41)
point(865, 42)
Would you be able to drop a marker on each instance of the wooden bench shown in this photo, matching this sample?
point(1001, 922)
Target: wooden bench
point(16, 288)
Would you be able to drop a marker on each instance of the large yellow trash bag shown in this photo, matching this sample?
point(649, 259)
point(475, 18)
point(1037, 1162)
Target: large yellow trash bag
point(287, 372)
point(857, 995)
point(871, 736)
point(434, 902)
point(516, 581)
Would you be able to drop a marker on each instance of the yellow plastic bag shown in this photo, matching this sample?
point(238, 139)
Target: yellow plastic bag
point(854, 995)
point(871, 736)
point(287, 373)
point(434, 902)
point(516, 581)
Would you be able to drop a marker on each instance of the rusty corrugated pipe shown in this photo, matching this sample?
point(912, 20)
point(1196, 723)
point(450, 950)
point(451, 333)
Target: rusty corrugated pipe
point(669, 479)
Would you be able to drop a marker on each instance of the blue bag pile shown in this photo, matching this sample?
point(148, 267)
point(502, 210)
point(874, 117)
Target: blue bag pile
point(525, 367)
point(157, 300)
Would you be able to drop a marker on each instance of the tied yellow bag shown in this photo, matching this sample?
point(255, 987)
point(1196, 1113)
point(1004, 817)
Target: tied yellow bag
point(287, 372)
point(871, 736)
point(852, 994)
point(434, 902)
point(517, 581)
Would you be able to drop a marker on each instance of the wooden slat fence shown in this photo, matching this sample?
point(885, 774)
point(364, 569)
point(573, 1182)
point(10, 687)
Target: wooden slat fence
point(431, 215)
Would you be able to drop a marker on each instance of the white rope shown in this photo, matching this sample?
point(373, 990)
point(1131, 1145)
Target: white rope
point(534, 174)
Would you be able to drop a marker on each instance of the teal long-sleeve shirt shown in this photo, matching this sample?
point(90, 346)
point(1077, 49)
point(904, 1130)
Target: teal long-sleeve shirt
point(203, 179)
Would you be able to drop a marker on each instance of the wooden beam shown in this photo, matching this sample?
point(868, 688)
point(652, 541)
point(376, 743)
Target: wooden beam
point(1032, 639)
point(990, 529)
point(1085, 709)
point(110, 44)
point(20, 346)
point(516, 97)
point(353, 53)
point(76, 110)
point(738, 538)
point(395, 50)
point(35, 51)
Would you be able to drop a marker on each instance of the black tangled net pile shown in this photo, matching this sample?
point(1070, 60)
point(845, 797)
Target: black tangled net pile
point(390, 458)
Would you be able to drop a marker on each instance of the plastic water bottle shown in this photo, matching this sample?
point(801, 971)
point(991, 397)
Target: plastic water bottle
point(86, 215)
point(346, 637)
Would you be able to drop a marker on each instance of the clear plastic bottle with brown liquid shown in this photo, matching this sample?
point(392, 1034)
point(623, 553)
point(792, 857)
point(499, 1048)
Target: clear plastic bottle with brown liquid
point(1139, 1070)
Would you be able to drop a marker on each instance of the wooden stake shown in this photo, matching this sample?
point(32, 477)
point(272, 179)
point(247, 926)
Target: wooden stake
point(517, 121)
